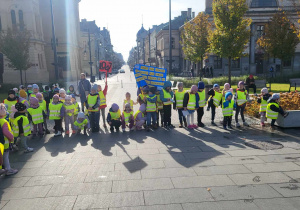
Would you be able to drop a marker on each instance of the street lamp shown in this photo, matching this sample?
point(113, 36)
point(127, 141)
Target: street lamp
point(91, 62)
point(54, 42)
point(170, 39)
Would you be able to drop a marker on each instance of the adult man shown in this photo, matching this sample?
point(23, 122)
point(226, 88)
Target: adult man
point(250, 83)
point(84, 88)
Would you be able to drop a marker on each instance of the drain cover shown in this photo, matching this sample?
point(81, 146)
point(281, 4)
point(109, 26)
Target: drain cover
point(264, 145)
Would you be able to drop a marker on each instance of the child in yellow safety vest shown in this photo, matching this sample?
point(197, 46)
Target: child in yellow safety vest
point(151, 108)
point(12, 99)
point(214, 101)
point(8, 138)
point(56, 112)
point(43, 104)
point(62, 95)
point(102, 95)
point(23, 98)
point(263, 101)
point(21, 127)
point(36, 116)
point(114, 118)
point(69, 115)
point(227, 109)
point(93, 107)
point(77, 108)
point(202, 103)
point(166, 96)
point(241, 98)
point(178, 104)
point(81, 123)
point(35, 90)
point(127, 118)
point(129, 101)
point(160, 108)
point(191, 104)
point(273, 109)
point(139, 117)
point(142, 96)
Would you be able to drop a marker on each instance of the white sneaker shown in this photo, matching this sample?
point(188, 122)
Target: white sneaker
point(58, 133)
point(28, 150)
point(245, 124)
point(237, 125)
point(2, 171)
point(11, 172)
point(15, 147)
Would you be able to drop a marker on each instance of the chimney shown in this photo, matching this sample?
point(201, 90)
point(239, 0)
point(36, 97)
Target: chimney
point(183, 13)
point(193, 14)
point(189, 12)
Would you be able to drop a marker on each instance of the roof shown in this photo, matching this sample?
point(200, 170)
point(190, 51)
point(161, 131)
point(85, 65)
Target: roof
point(141, 31)
point(176, 23)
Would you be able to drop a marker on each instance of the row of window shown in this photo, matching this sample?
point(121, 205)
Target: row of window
point(14, 19)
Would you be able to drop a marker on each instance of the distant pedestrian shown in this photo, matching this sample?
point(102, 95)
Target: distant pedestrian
point(192, 72)
point(211, 71)
point(272, 73)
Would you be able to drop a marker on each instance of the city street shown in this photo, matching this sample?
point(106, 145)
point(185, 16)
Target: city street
point(206, 168)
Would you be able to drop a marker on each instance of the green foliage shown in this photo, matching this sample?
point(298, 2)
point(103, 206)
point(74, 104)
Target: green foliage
point(14, 44)
point(187, 83)
point(232, 31)
point(280, 38)
point(234, 80)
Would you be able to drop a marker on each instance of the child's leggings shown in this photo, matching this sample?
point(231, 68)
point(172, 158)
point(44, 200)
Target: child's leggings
point(190, 119)
point(238, 110)
point(69, 120)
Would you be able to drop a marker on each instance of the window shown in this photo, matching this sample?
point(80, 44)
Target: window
point(21, 20)
point(64, 63)
point(264, 3)
point(217, 62)
point(260, 31)
point(173, 42)
point(287, 63)
point(235, 64)
point(13, 17)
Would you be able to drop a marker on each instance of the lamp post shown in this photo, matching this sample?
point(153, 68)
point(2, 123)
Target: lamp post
point(91, 62)
point(170, 40)
point(54, 42)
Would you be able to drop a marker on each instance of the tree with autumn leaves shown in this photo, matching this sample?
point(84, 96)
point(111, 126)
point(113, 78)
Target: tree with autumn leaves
point(232, 31)
point(194, 38)
point(280, 38)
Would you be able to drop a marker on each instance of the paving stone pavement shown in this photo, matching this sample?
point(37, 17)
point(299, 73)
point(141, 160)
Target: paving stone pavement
point(177, 169)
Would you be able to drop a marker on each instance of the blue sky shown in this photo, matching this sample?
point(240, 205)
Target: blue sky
point(124, 17)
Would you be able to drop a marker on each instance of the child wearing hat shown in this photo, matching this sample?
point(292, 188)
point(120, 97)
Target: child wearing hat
point(191, 104)
point(127, 118)
point(273, 109)
point(77, 108)
point(166, 96)
point(178, 104)
point(114, 118)
point(62, 95)
point(21, 126)
point(160, 108)
point(81, 123)
point(8, 138)
point(23, 98)
point(151, 108)
point(139, 117)
point(29, 90)
point(56, 112)
point(102, 95)
point(227, 109)
point(93, 106)
point(241, 98)
point(202, 103)
point(263, 101)
point(128, 100)
point(43, 104)
point(69, 115)
point(142, 96)
point(35, 90)
point(16, 91)
point(12, 99)
point(214, 101)
point(36, 116)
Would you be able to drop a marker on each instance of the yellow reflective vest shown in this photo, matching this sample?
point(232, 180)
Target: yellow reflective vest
point(54, 111)
point(69, 108)
point(102, 98)
point(115, 115)
point(6, 141)
point(192, 102)
point(179, 99)
point(136, 114)
point(10, 104)
point(167, 95)
point(26, 126)
point(36, 115)
point(131, 103)
point(202, 98)
point(271, 114)
point(241, 97)
point(263, 105)
point(151, 107)
point(43, 105)
point(127, 116)
point(217, 98)
point(82, 124)
point(228, 111)
point(92, 101)
point(77, 109)
point(159, 103)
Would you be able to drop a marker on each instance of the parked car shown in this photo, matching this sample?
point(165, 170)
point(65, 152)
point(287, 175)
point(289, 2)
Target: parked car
point(122, 71)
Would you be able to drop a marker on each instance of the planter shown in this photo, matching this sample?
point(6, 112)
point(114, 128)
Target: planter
point(292, 121)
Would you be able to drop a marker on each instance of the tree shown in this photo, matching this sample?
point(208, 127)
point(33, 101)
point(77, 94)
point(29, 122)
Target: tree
point(14, 44)
point(195, 38)
point(232, 31)
point(280, 38)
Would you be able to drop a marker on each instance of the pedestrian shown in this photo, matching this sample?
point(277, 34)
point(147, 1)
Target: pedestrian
point(69, 115)
point(211, 71)
point(273, 109)
point(166, 95)
point(71, 90)
point(241, 97)
point(160, 108)
point(77, 108)
point(16, 91)
point(127, 118)
point(263, 101)
point(56, 113)
point(93, 107)
point(214, 101)
point(202, 103)
point(102, 95)
point(35, 90)
point(128, 100)
point(21, 126)
point(81, 123)
point(36, 116)
point(151, 108)
point(227, 110)
point(8, 138)
point(272, 74)
point(12, 99)
point(190, 105)
point(46, 95)
point(143, 95)
point(29, 90)
point(23, 98)
point(114, 118)
point(43, 104)
point(250, 83)
point(178, 104)
point(84, 88)
point(62, 95)
point(140, 118)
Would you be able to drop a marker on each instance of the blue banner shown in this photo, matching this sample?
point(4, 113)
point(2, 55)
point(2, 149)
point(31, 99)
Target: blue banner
point(148, 75)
